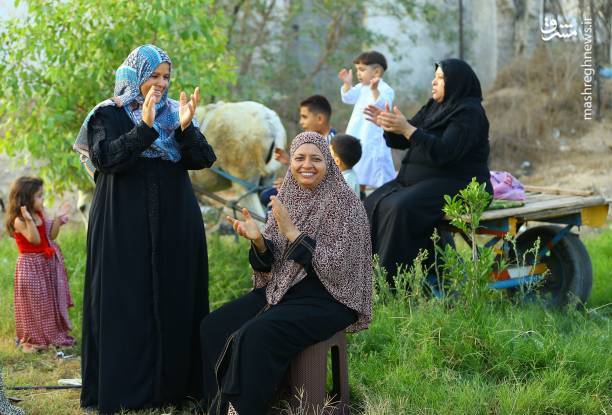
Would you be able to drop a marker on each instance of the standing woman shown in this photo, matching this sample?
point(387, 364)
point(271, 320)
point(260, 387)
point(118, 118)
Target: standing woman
point(146, 278)
point(448, 144)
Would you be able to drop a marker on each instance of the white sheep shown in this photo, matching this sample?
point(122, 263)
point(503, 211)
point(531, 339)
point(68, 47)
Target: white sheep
point(243, 135)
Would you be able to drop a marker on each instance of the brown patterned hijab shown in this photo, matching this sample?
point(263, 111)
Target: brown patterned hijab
point(335, 218)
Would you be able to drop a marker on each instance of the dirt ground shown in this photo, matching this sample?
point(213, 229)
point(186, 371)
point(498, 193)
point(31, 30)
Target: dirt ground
point(583, 163)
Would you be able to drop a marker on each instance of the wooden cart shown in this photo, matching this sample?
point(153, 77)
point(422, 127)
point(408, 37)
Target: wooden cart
point(561, 270)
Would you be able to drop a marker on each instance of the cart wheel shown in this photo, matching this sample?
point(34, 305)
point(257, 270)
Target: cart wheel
point(569, 274)
point(586, 281)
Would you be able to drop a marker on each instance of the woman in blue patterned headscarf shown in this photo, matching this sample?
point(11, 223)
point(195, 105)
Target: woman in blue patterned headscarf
point(140, 70)
point(146, 277)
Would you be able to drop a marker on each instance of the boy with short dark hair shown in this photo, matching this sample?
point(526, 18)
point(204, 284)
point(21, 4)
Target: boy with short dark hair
point(315, 115)
point(376, 165)
point(346, 151)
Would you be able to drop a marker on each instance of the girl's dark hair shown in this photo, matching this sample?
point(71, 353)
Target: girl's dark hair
point(22, 194)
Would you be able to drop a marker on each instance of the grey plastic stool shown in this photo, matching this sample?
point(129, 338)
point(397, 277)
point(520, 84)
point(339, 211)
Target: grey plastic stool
point(308, 371)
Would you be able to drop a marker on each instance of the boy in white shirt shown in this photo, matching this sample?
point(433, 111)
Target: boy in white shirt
point(376, 165)
point(346, 151)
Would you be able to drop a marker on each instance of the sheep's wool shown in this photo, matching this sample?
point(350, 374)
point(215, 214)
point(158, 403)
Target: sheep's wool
point(243, 134)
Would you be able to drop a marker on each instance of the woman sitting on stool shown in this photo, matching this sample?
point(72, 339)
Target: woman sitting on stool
point(312, 278)
point(448, 144)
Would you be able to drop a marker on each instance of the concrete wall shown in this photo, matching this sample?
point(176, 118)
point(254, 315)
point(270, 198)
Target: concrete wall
point(411, 67)
point(495, 31)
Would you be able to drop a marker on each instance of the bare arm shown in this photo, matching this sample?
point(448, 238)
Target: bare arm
point(27, 227)
point(55, 228)
point(347, 79)
point(61, 217)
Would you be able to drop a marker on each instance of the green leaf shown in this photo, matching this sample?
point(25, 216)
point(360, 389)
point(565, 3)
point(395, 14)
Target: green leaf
point(60, 59)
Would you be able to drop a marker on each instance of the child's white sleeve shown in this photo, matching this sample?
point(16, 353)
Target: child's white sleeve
point(350, 96)
point(386, 95)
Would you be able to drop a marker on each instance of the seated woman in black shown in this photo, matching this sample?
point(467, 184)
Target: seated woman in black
point(312, 278)
point(448, 144)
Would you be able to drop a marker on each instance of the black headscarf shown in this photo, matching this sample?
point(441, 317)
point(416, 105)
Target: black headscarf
point(461, 90)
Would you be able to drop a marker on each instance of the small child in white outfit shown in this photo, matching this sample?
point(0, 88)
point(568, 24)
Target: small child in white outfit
point(346, 151)
point(376, 165)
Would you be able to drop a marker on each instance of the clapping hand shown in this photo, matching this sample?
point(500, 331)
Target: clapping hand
point(395, 122)
point(247, 228)
point(346, 76)
point(63, 212)
point(148, 108)
point(187, 107)
point(64, 209)
point(372, 112)
point(281, 215)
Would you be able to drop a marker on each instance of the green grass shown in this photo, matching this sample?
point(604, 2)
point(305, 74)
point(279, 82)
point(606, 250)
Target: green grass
point(418, 357)
point(600, 250)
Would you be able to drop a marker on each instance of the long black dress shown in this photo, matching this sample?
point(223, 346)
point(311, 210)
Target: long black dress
point(146, 282)
point(449, 147)
point(247, 345)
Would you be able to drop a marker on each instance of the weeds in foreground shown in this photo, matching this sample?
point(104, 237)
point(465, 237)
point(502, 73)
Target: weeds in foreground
point(467, 352)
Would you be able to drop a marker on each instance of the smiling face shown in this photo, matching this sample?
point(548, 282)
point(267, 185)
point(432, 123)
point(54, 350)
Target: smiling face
point(308, 166)
point(437, 90)
point(159, 80)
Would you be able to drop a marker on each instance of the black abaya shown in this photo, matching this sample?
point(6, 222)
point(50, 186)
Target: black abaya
point(146, 283)
point(448, 149)
point(248, 345)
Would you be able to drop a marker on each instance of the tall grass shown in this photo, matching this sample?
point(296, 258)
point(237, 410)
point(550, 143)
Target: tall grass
point(428, 356)
point(419, 356)
point(600, 250)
